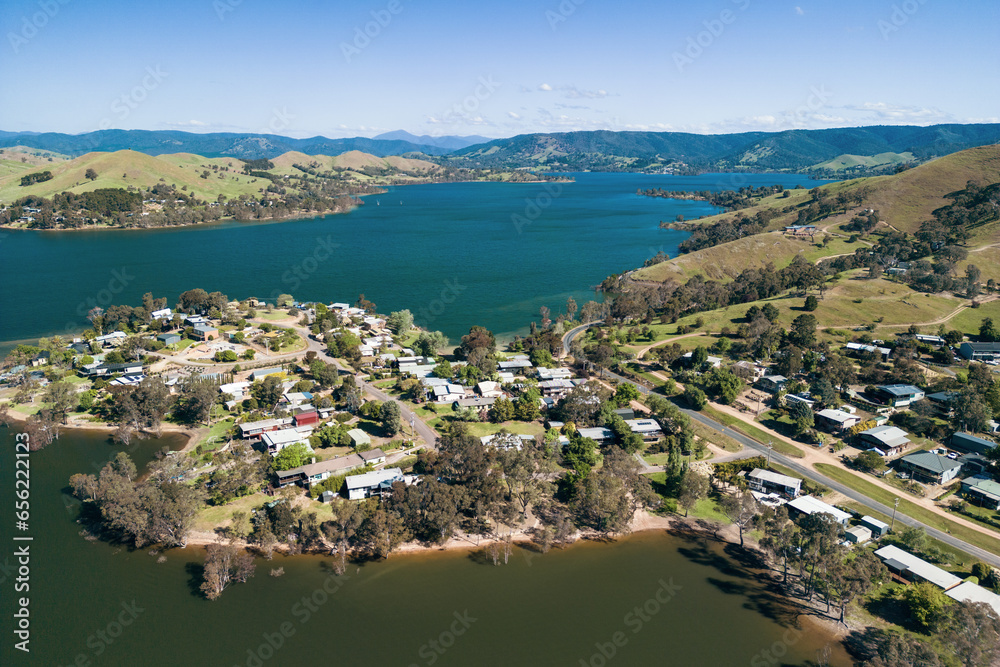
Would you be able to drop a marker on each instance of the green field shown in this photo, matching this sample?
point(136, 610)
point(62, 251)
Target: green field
point(910, 509)
point(780, 446)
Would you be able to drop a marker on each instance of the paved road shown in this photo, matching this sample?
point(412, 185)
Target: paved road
point(574, 332)
point(809, 473)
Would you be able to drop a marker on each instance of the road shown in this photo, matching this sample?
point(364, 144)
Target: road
point(574, 332)
point(809, 473)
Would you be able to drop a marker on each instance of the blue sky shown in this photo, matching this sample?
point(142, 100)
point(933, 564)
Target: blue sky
point(496, 69)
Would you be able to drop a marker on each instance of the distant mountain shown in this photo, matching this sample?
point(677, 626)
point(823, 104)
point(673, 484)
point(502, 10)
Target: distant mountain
point(449, 142)
point(764, 151)
point(213, 144)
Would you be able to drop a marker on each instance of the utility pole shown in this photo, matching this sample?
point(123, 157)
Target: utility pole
point(894, 506)
point(770, 446)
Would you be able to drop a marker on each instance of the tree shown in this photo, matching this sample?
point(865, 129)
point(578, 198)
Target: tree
point(913, 538)
point(926, 603)
point(225, 564)
point(267, 391)
point(501, 411)
point(323, 374)
point(196, 399)
point(478, 338)
point(851, 579)
point(62, 396)
point(695, 397)
point(443, 370)
point(802, 416)
point(625, 393)
point(366, 305)
point(694, 487)
point(607, 499)
point(292, 456)
point(869, 462)
point(740, 508)
point(427, 344)
point(988, 331)
point(888, 648)
point(400, 322)
point(284, 300)
point(811, 303)
point(526, 407)
point(771, 312)
point(90, 174)
point(724, 384)
point(570, 308)
point(392, 420)
point(803, 331)
point(779, 538)
point(581, 454)
point(699, 356)
point(973, 633)
point(971, 410)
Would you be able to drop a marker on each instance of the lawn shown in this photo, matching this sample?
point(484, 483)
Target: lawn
point(718, 439)
point(479, 429)
point(216, 435)
point(780, 446)
point(910, 509)
point(960, 557)
point(968, 320)
point(210, 517)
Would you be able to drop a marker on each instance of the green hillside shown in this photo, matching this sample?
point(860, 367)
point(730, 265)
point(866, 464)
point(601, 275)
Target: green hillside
point(848, 162)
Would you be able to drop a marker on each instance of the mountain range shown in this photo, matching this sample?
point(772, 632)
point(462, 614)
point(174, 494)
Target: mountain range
point(602, 150)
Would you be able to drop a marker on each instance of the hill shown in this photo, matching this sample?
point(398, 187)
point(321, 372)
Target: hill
point(447, 142)
point(795, 150)
point(213, 144)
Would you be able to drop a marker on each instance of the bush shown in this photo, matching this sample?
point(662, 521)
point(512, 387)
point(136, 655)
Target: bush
point(695, 397)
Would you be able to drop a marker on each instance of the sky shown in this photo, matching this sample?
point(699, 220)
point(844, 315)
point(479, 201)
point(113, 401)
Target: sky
point(342, 69)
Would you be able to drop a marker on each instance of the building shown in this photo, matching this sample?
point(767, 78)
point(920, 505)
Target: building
point(316, 472)
point(275, 441)
point(860, 350)
point(836, 420)
point(858, 534)
point(943, 402)
point(373, 457)
point(162, 314)
point(930, 468)
point(204, 332)
point(910, 567)
point(506, 441)
point(966, 442)
point(489, 389)
point(877, 527)
point(648, 429)
point(970, 592)
point(809, 505)
point(101, 370)
point(772, 383)
point(982, 491)
point(935, 341)
point(625, 413)
point(766, 481)
point(359, 437)
point(714, 362)
point(898, 395)
point(373, 483)
point(890, 440)
point(514, 365)
point(980, 351)
point(169, 338)
point(554, 373)
point(803, 397)
point(253, 430)
point(307, 417)
point(474, 402)
point(263, 372)
point(598, 434)
point(556, 388)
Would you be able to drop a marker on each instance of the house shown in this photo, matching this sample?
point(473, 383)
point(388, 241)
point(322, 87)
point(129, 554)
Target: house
point(749, 370)
point(930, 468)
point(162, 314)
point(935, 341)
point(237, 390)
point(973, 464)
point(766, 481)
point(625, 413)
point(556, 388)
point(800, 230)
point(307, 417)
point(649, 429)
point(489, 389)
point(377, 482)
point(909, 566)
point(204, 332)
point(772, 383)
point(878, 528)
point(858, 534)
point(194, 320)
point(100, 370)
point(980, 351)
point(982, 491)
point(836, 420)
point(253, 430)
point(514, 365)
point(970, 592)
point(898, 395)
point(599, 434)
point(294, 399)
point(714, 362)
point(860, 350)
point(327, 497)
point(509, 441)
point(275, 441)
point(473, 403)
point(373, 457)
point(169, 338)
point(113, 338)
point(359, 437)
point(809, 505)
point(125, 381)
point(316, 472)
point(802, 397)
point(966, 442)
point(264, 372)
point(943, 402)
point(891, 440)
point(554, 373)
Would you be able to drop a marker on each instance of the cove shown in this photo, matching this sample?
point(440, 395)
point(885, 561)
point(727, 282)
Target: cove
point(652, 598)
point(456, 254)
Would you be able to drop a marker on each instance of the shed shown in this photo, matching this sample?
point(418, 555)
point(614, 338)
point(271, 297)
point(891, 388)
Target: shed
point(906, 564)
point(169, 338)
point(359, 437)
point(878, 528)
point(858, 534)
point(327, 497)
point(966, 442)
point(811, 505)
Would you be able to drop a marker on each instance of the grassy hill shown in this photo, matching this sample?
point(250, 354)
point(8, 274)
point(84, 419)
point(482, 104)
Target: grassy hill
point(848, 162)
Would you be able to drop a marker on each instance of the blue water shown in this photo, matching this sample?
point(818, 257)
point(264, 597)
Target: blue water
point(455, 254)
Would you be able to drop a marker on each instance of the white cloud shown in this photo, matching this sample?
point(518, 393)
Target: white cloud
point(189, 123)
point(546, 87)
point(800, 11)
point(515, 116)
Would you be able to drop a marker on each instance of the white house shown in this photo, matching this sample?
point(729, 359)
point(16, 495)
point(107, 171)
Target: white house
point(377, 482)
point(275, 441)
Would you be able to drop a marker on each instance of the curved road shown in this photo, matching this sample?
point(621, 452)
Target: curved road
point(809, 473)
point(574, 332)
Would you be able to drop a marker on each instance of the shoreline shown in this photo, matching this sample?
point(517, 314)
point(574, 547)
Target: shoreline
point(188, 433)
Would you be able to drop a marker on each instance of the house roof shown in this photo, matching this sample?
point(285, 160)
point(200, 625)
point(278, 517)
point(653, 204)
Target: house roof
point(811, 505)
point(890, 436)
point(596, 433)
point(287, 436)
point(775, 478)
point(983, 347)
point(372, 454)
point(872, 521)
point(337, 464)
point(984, 485)
point(931, 462)
point(838, 416)
point(968, 440)
point(357, 435)
point(643, 425)
point(919, 567)
point(373, 479)
point(861, 532)
point(900, 390)
point(970, 592)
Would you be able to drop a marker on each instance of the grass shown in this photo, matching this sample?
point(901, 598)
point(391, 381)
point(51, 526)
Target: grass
point(479, 429)
point(959, 555)
point(910, 509)
point(215, 434)
point(276, 315)
point(968, 320)
point(780, 446)
point(718, 439)
point(208, 518)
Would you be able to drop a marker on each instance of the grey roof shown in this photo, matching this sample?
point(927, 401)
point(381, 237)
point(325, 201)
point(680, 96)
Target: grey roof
point(775, 478)
point(373, 479)
point(334, 465)
point(919, 567)
point(970, 592)
point(973, 442)
point(900, 390)
point(596, 433)
point(983, 347)
point(372, 454)
point(931, 462)
point(811, 505)
point(872, 521)
point(890, 436)
point(838, 416)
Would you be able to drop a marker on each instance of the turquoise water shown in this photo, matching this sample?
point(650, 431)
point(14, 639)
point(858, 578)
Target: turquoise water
point(455, 254)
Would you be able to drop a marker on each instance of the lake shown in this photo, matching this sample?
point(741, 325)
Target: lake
point(648, 599)
point(455, 254)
